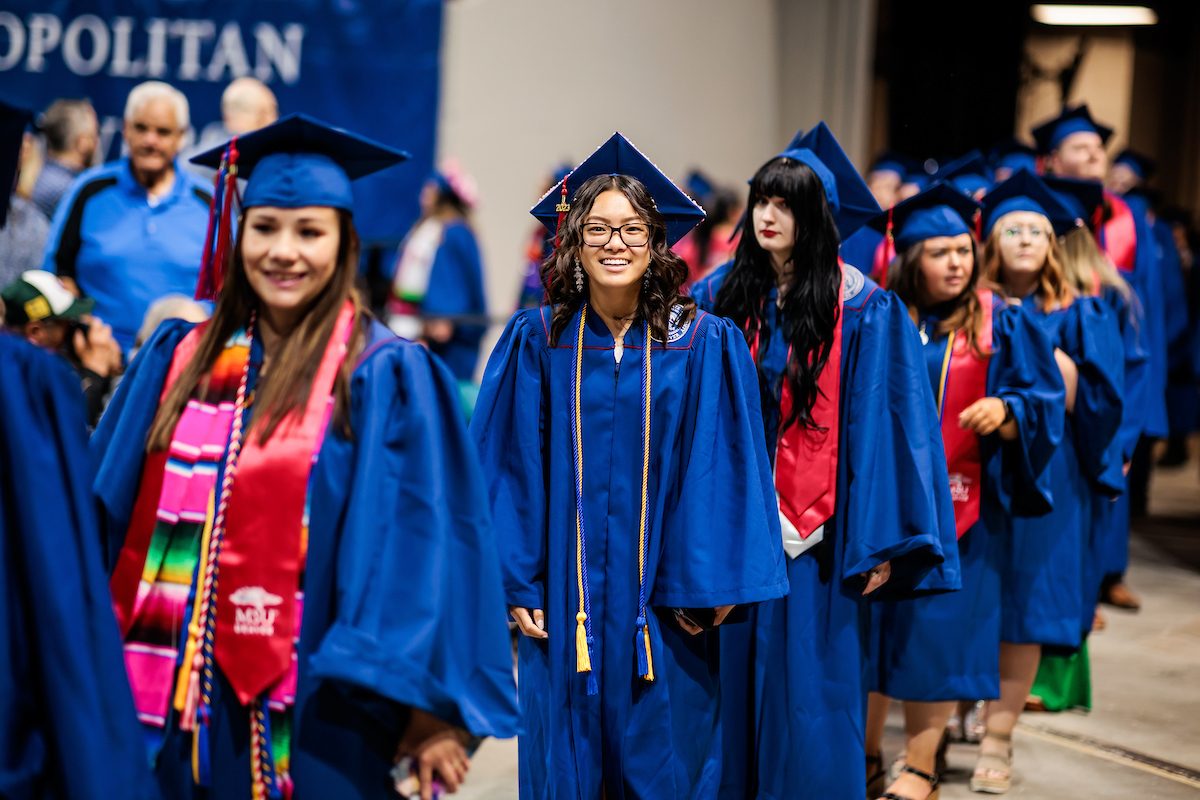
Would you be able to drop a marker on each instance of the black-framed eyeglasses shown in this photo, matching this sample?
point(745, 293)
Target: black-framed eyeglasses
point(599, 234)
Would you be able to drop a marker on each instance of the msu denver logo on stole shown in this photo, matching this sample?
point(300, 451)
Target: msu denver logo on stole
point(675, 332)
point(254, 618)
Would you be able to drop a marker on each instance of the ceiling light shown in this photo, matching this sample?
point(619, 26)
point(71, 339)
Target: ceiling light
point(1081, 16)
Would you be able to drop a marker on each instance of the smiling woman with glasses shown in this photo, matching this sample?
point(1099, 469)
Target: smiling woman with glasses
point(620, 431)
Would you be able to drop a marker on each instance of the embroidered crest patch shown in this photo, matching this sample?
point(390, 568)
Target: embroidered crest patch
point(676, 331)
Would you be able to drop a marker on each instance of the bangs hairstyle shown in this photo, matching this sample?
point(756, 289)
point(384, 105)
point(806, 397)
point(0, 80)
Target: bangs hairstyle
point(809, 308)
point(285, 388)
point(668, 272)
point(967, 309)
point(1053, 290)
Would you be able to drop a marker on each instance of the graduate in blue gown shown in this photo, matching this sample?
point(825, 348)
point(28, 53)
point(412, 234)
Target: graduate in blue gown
point(1045, 571)
point(67, 725)
point(621, 433)
point(859, 472)
point(359, 495)
point(1000, 397)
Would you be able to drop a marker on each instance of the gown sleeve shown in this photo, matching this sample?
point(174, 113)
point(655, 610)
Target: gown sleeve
point(1130, 320)
point(1091, 338)
point(67, 723)
point(1023, 372)
point(420, 612)
point(721, 542)
point(508, 428)
point(118, 446)
point(896, 490)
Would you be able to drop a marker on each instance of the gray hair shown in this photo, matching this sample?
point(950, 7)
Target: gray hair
point(171, 306)
point(64, 121)
point(157, 90)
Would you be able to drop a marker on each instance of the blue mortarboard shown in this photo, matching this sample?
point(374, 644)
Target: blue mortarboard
point(618, 156)
point(1012, 154)
point(940, 210)
point(1025, 191)
point(1081, 198)
point(698, 184)
point(1142, 165)
point(849, 198)
point(13, 121)
point(890, 161)
point(1050, 134)
point(300, 161)
point(968, 173)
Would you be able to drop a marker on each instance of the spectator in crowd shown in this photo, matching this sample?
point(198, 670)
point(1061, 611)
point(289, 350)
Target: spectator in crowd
point(132, 231)
point(173, 306)
point(246, 105)
point(41, 309)
point(72, 134)
point(23, 230)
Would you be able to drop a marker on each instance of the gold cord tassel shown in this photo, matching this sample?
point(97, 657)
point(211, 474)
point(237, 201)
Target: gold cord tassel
point(583, 659)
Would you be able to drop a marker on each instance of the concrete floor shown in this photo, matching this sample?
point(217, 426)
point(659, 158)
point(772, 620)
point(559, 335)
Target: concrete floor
point(1145, 686)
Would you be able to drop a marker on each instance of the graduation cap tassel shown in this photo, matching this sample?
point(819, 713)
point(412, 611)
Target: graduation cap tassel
point(225, 223)
point(887, 250)
point(204, 281)
point(562, 208)
point(642, 634)
point(583, 637)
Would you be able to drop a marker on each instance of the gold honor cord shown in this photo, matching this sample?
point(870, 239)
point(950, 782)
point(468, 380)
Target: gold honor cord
point(941, 399)
point(583, 661)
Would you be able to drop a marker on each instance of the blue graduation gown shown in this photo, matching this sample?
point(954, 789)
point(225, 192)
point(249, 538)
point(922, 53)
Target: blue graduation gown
point(713, 539)
point(1148, 283)
point(1110, 516)
point(794, 678)
point(456, 291)
point(859, 249)
point(947, 646)
point(403, 605)
point(1046, 592)
point(67, 724)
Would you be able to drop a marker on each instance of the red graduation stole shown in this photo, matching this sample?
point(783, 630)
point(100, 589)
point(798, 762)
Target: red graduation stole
point(963, 381)
point(1118, 235)
point(261, 550)
point(806, 459)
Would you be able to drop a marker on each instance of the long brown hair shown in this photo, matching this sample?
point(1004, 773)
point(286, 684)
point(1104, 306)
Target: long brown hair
point(1052, 286)
point(967, 313)
point(667, 270)
point(285, 389)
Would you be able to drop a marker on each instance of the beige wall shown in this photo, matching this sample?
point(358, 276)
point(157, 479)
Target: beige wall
point(690, 82)
point(1104, 82)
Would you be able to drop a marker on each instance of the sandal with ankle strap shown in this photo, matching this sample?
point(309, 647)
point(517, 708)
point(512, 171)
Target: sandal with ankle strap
point(991, 762)
point(929, 777)
point(877, 777)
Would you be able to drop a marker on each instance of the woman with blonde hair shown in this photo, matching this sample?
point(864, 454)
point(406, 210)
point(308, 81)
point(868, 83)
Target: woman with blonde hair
point(999, 396)
point(1045, 567)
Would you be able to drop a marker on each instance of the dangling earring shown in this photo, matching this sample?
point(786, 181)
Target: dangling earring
point(646, 278)
point(578, 276)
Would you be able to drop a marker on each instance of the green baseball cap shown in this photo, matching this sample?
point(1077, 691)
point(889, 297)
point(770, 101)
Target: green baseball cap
point(38, 295)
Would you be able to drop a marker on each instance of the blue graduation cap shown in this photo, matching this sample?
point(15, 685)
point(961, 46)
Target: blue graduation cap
point(13, 121)
point(300, 161)
point(1142, 165)
point(940, 210)
point(618, 156)
point(1012, 154)
point(698, 184)
point(891, 161)
point(1082, 198)
point(293, 163)
point(968, 173)
point(1050, 134)
point(849, 198)
point(1025, 191)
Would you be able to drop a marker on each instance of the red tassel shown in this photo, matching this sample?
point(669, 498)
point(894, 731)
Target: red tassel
point(562, 208)
point(886, 252)
point(978, 226)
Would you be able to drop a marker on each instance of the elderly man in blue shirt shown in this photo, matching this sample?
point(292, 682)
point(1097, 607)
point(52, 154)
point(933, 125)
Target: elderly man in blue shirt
point(132, 231)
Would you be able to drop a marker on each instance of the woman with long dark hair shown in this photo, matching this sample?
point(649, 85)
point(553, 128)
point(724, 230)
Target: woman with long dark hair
point(999, 397)
point(621, 432)
point(1045, 568)
point(293, 515)
point(859, 473)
